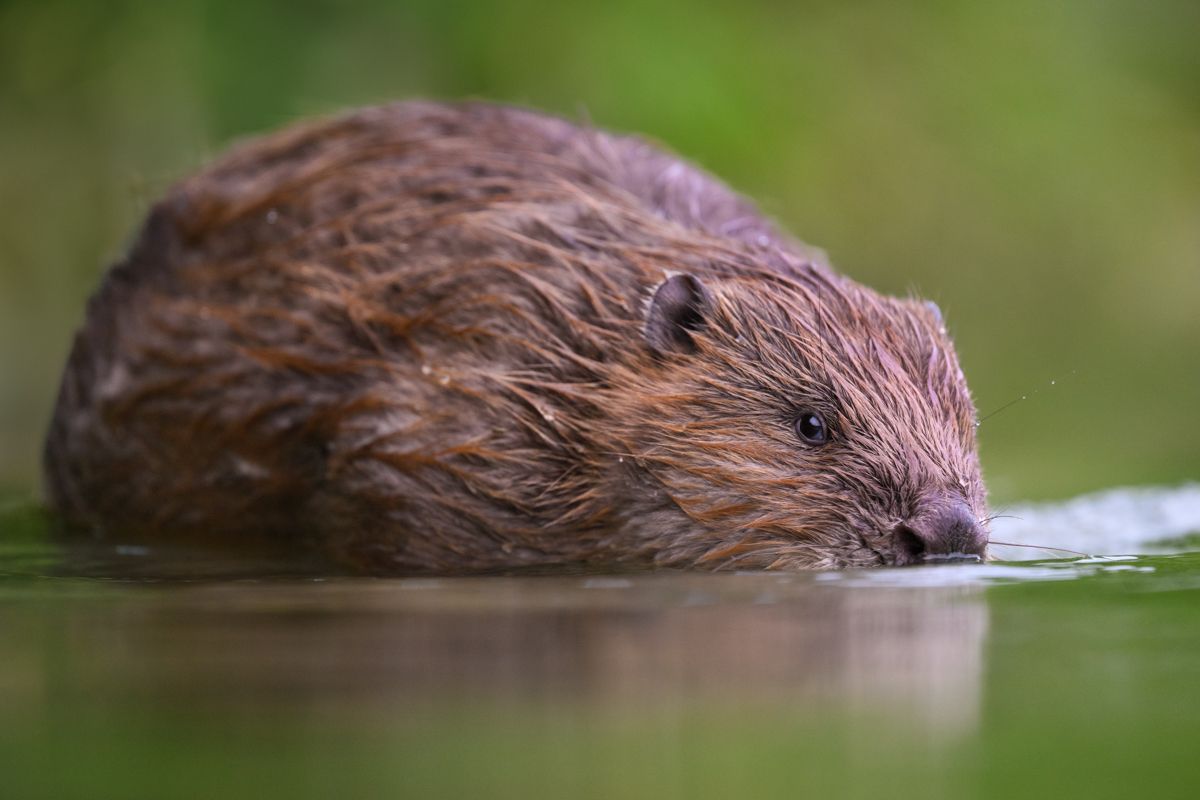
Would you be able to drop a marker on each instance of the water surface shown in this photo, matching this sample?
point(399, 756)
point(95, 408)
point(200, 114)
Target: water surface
point(129, 672)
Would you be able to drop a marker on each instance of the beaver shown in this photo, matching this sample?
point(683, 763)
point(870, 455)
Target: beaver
point(454, 338)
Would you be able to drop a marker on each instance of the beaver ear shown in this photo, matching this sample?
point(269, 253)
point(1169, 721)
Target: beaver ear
point(678, 308)
point(934, 314)
point(934, 310)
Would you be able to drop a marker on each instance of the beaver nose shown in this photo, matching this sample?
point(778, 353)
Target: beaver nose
point(946, 532)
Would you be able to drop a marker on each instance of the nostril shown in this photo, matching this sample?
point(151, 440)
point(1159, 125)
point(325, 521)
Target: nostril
point(910, 546)
point(946, 534)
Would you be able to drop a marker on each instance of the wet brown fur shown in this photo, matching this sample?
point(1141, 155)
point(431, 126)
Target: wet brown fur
point(413, 336)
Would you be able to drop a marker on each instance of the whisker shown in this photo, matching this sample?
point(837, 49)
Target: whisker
point(1040, 547)
point(1010, 403)
point(1007, 405)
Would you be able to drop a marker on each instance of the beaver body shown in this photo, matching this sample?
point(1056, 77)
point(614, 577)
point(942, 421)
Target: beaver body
point(454, 338)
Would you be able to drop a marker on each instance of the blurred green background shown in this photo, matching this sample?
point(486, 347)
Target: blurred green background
point(1034, 167)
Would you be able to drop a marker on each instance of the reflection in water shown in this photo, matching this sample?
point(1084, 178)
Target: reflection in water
point(627, 645)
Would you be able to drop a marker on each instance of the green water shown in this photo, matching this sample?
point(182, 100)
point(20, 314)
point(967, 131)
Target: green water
point(129, 673)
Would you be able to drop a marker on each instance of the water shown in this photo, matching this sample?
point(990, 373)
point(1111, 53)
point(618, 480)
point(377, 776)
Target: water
point(133, 673)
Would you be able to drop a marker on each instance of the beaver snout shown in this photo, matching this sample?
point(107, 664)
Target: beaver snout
point(947, 532)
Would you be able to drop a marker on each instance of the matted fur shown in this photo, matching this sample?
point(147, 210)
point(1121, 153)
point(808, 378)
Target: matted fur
point(413, 336)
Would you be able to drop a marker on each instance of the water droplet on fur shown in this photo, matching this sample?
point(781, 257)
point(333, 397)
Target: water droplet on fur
point(426, 369)
point(272, 217)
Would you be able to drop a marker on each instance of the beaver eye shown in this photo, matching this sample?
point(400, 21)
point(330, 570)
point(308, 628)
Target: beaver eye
point(811, 428)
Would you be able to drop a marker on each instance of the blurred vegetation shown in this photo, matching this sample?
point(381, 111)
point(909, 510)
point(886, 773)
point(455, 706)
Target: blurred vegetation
point(1033, 167)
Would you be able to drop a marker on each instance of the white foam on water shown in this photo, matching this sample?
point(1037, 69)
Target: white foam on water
point(1124, 521)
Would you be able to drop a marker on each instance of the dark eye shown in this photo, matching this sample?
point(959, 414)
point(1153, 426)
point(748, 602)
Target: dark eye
point(811, 428)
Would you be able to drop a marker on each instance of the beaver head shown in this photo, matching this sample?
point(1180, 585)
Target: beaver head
point(802, 420)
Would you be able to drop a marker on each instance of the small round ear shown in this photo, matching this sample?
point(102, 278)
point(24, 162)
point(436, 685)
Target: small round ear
point(678, 308)
point(934, 310)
